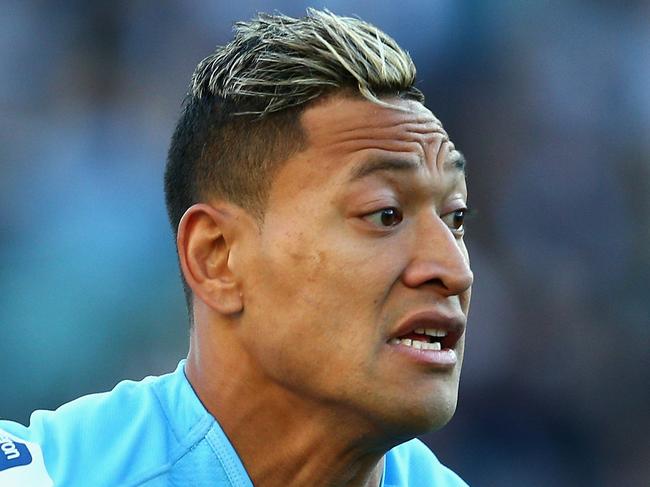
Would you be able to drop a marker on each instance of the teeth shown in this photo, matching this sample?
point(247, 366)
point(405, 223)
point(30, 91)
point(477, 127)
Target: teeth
point(432, 332)
point(417, 344)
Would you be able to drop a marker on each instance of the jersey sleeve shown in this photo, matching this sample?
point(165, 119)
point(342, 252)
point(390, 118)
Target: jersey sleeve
point(98, 440)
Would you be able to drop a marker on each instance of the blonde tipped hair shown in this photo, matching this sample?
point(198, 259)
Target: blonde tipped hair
point(276, 62)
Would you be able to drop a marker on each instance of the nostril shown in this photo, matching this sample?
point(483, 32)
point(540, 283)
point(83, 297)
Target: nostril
point(436, 281)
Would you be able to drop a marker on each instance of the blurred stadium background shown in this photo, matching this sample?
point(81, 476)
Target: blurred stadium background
point(549, 100)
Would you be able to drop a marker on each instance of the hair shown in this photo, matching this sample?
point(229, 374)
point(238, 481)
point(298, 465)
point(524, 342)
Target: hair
point(241, 116)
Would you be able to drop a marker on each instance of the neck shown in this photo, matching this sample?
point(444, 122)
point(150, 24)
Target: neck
point(281, 438)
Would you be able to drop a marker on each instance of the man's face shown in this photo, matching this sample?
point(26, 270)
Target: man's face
point(361, 249)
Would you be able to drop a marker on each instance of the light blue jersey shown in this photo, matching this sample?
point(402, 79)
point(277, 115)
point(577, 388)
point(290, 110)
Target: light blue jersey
point(155, 433)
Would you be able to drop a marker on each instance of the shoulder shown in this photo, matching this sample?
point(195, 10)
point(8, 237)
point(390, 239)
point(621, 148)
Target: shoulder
point(413, 464)
point(97, 439)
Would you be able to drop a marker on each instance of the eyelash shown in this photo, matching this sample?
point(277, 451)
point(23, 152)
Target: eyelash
point(461, 213)
point(388, 212)
point(385, 214)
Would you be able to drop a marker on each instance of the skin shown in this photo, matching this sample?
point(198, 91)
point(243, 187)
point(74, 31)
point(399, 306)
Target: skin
point(292, 316)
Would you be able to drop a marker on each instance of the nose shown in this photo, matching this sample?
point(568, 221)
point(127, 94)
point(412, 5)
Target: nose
point(439, 259)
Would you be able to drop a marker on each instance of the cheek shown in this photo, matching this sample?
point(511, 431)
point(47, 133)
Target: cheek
point(284, 283)
point(318, 305)
point(319, 287)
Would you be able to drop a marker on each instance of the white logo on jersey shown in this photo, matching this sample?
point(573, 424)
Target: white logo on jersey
point(21, 463)
point(8, 447)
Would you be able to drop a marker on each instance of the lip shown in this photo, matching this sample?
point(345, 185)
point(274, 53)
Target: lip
point(454, 324)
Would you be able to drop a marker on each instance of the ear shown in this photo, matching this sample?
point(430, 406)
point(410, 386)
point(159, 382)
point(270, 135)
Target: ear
point(205, 237)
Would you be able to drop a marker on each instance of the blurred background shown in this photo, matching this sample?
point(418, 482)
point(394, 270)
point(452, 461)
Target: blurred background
point(550, 102)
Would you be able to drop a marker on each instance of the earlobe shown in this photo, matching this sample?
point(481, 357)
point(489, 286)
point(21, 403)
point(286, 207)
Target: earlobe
point(205, 238)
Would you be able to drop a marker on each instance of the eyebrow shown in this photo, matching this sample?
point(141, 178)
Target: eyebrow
point(457, 162)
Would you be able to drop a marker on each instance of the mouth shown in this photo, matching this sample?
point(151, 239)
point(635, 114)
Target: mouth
point(424, 339)
point(429, 337)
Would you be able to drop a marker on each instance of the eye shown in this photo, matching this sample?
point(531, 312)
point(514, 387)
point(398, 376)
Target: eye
point(456, 220)
point(386, 217)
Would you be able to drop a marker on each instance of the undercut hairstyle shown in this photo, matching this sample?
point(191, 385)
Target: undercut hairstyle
point(241, 117)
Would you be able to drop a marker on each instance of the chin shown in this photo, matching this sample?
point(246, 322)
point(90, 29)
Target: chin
point(415, 419)
point(440, 418)
point(437, 415)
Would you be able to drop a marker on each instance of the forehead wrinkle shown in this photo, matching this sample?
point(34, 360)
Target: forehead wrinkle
point(345, 121)
point(414, 140)
point(341, 129)
point(428, 128)
point(350, 149)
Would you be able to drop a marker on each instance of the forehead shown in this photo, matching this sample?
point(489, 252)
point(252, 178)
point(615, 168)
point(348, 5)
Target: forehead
point(342, 127)
point(351, 111)
point(348, 137)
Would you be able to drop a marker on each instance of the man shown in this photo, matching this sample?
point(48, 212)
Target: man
point(318, 208)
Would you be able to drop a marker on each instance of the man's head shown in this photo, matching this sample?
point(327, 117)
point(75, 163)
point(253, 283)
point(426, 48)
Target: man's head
point(321, 231)
point(241, 117)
